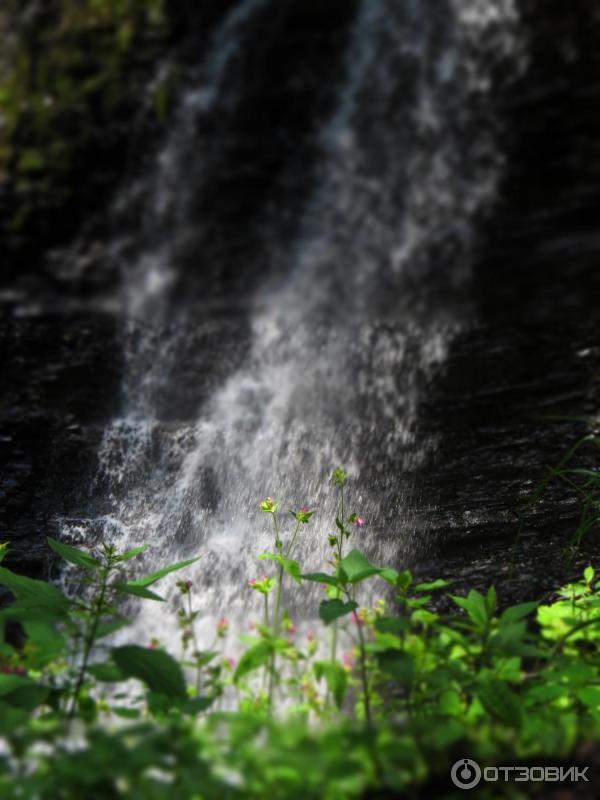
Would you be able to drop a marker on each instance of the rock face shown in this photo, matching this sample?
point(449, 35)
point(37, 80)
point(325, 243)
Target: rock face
point(60, 385)
point(528, 357)
point(76, 90)
point(507, 404)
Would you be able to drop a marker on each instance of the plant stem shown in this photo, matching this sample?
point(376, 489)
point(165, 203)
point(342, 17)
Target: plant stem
point(363, 675)
point(97, 607)
point(293, 539)
point(276, 612)
point(195, 641)
point(334, 629)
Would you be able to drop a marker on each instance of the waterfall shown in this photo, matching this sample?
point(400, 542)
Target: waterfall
point(344, 330)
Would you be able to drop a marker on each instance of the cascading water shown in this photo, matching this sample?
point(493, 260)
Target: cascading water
point(342, 332)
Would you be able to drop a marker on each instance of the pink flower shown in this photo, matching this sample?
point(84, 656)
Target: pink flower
point(230, 662)
point(348, 660)
point(357, 619)
point(359, 522)
point(291, 628)
point(189, 584)
point(222, 627)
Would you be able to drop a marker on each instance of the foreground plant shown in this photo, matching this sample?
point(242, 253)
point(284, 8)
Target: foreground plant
point(417, 686)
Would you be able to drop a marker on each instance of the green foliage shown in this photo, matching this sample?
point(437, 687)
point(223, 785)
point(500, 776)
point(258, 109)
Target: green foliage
point(330, 610)
point(414, 688)
point(157, 669)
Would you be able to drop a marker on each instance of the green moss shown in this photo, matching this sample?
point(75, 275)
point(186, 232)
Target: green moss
point(62, 78)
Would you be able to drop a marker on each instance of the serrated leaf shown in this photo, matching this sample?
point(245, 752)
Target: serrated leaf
point(432, 585)
point(252, 659)
point(590, 696)
point(196, 705)
point(475, 606)
point(138, 591)
point(161, 573)
point(500, 702)
point(126, 712)
point(330, 610)
point(111, 626)
point(74, 556)
point(106, 673)
point(128, 554)
point(336, 678)
point(517, 612)
point(355, 567)
point(389, 575)
point(397, 665)
point(157, 669)
point(291, 567)
point(32, 593)
point(10, 682)
point(321, 577)
point(26, 697)
point(391, 624)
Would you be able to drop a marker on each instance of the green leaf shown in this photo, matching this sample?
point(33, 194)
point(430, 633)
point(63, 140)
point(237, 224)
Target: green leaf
point(292, 568)
point(110, 626)
point(397, 665)
point(26, 697)
point(321, 577)
point(491, 602)
point(126, 712)
point(32, 593)
point(156, 576)
point(336, 678)
point(475, 606)
point(588, 574)
point(138, 591)
point(389, 575)
point(10, 682)
point(391, 624)
point(424, 617)
point(157, 669)
point(252, 659)
point(106, 673)
point(289, 565)
point(355, 567)
point(500, 702)
point(330, 610)
point(196, 705)
point(74, 556)
point(3, 550)
point(132, 553)
point(44, 643)
point(404, 580)
point(590, 696)
point(517, 612)
point(11, 718)
point(432, 585)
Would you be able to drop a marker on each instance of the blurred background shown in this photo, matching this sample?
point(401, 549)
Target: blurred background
point(244, 241)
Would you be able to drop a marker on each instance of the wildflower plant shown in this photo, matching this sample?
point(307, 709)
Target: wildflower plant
point(412, 686)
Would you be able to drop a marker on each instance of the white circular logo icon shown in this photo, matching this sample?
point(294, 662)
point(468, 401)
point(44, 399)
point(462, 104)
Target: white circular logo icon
point(465, 773)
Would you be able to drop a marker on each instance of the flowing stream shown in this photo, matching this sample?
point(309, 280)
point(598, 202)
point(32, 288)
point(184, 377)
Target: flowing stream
point(338, 337)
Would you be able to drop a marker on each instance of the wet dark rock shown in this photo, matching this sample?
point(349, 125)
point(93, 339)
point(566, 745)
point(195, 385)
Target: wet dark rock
point(500, 410)
point(60, 377)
